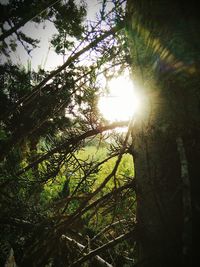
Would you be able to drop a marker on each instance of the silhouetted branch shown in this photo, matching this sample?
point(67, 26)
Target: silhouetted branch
point(106, 246)
point(69, 144)
point(82, 208)
point(70, 60)
point(21, 23)
point(101, 261)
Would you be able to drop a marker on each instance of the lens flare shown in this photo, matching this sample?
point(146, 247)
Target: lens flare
point(121, 102)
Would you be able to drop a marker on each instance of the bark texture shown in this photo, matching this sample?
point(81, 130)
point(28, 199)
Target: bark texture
point(166, 140)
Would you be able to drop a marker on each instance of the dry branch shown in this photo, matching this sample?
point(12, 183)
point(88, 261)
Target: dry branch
point(108, 245)
point(101, 261)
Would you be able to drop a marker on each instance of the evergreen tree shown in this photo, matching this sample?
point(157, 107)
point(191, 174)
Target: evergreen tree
point(55, 200)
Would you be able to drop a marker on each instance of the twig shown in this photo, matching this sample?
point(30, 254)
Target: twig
point(69, 144)
point(101, 261)
point(108, 245)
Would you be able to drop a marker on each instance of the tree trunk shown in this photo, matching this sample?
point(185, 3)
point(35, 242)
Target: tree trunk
point(166, 139)
point(159, 201)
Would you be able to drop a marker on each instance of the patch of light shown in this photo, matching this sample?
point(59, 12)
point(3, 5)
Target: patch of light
point(121, 102)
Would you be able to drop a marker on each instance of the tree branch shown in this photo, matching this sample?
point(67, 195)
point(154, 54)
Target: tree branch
point(69, 144)
point(71, 59)
point(101, 261)
point(17, 26)
point(108, 245)
point(82, 208)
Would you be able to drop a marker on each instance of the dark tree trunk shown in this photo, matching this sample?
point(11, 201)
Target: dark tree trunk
point(166, 139)
point(159, 198)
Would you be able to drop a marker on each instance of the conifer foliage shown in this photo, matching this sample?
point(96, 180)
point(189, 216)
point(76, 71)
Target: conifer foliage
point(66, 193)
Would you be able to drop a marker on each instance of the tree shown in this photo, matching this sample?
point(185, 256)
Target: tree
point(47, 118)
point(165, 55)
point(66, 16)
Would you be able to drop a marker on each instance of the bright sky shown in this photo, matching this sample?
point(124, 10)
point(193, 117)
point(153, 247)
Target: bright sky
point(118, 105)
point(44, 55)
point(121, 102)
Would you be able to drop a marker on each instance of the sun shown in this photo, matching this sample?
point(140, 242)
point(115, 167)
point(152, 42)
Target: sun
point(121, 102)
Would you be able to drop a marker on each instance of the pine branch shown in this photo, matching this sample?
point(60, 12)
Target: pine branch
point(37, 89)
point(101, 261)
point(106, 246)
point(82, 209)
point(20, 24)
point(69, 144)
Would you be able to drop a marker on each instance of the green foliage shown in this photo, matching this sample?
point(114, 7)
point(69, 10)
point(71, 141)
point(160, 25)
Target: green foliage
point(68, 20)
point(66, 16)
point(56, 170)
point(87, 155)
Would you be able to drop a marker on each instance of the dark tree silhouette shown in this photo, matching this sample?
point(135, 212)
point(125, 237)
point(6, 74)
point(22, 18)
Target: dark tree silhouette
point(165, 58)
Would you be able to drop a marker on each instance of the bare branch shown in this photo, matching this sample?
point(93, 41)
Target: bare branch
point(101, 261)
point(108, 245)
